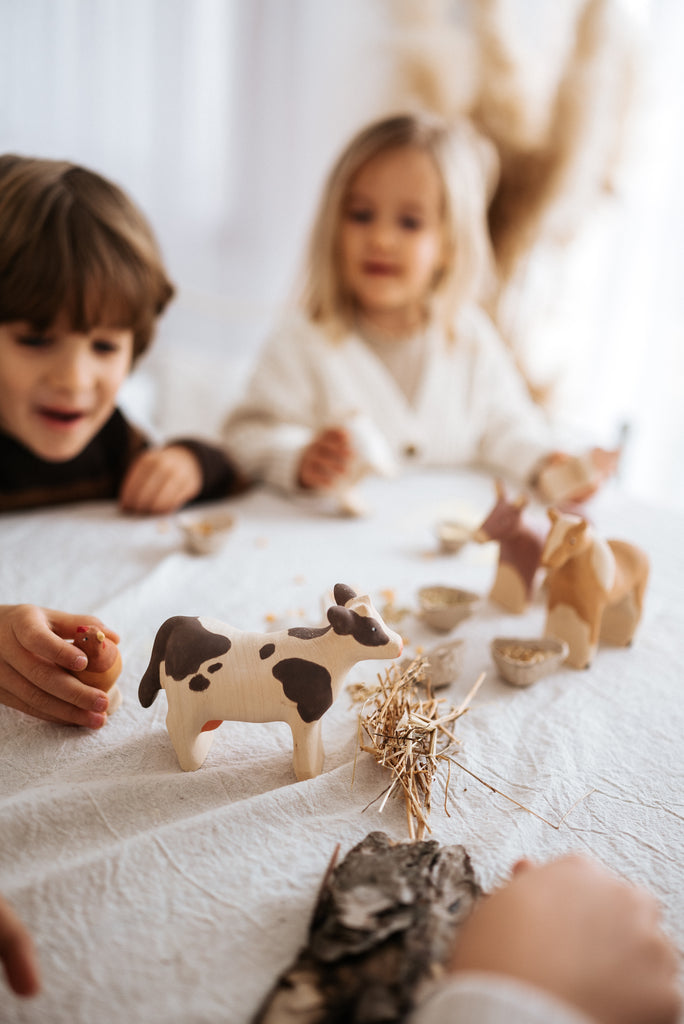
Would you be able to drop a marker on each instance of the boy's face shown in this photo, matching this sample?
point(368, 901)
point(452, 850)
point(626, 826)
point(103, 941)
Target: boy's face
point(391, 237)
point(58, 388)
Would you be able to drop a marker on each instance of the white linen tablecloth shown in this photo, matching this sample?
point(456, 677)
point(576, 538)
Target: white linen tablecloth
point(156, 895)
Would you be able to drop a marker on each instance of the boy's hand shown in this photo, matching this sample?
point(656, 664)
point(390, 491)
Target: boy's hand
point(326, 459)
point(36, 664)
point(161, 480)
point(17, 953)
point(573, 929)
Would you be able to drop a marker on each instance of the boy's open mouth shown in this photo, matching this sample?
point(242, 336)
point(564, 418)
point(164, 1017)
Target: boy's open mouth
point(65, 416)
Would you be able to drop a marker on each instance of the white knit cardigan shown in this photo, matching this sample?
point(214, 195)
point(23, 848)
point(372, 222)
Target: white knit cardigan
point(471, 406)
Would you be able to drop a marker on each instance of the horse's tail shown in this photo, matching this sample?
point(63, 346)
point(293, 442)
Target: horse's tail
point(150, 683)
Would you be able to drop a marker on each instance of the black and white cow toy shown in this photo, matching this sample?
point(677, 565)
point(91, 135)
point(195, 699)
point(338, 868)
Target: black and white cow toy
point(213, 673)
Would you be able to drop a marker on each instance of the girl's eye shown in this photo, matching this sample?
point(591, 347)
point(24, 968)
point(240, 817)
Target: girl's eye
point(410, 223)
point(359, 215)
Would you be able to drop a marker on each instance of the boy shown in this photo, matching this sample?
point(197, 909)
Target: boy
point(82, 284)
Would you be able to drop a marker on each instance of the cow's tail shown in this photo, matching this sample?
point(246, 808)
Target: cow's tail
point(150, 684)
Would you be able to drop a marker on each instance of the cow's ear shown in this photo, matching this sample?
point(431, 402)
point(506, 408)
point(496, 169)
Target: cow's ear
point(341, 620)
point(343, 593)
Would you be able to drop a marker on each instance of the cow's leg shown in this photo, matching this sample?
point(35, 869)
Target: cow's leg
point(190, 743)
point(307, 756)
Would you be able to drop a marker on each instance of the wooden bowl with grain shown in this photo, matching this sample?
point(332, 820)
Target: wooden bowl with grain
point(523, 661)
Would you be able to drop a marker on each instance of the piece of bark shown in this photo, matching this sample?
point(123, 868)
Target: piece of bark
point(382, 928)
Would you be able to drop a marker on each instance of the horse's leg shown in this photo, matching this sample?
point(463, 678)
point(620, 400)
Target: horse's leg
point(307, 754)
point(620, 619)
point(564, 623)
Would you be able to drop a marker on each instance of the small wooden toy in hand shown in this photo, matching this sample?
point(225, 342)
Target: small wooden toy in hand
point(341, 456)
point(104, 663)
point(213, 672)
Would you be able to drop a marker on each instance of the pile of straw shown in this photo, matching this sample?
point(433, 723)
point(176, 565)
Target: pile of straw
point(410, 735)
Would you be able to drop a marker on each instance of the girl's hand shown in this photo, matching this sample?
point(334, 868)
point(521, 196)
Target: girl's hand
point(161, 480)
point(573, 929)
point(574, 479)
point(326, 459)
point(36, 664)
point(17, 953)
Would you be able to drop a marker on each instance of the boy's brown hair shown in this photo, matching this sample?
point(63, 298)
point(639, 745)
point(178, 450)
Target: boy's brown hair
point(73, 244)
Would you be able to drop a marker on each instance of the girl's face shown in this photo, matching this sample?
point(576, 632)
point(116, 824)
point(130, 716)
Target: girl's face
point(58, 388)
point(392, 238)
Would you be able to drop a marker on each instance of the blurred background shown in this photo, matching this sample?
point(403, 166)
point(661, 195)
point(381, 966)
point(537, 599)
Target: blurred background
point(221, 117)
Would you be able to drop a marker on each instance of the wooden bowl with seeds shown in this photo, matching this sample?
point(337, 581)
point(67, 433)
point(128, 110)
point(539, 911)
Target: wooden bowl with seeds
point(523, 661)
point(452, 536)
point(205, 533)
point(443, 607)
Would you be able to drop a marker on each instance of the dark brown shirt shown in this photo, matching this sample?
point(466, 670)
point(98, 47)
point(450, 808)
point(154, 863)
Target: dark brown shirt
point(27, 481)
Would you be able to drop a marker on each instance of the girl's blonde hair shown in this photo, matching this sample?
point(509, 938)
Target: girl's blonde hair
point(466, 165)
point(73, 244)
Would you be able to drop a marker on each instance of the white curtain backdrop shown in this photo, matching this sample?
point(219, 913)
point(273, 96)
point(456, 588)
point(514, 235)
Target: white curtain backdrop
point(220, 118)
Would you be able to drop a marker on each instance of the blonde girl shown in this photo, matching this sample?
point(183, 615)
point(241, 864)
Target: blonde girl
point(388, 323)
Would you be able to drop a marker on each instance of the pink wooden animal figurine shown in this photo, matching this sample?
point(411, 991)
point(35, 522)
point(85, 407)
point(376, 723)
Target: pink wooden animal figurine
point(213, 672)
point(520, 549)
point(104, 663)
point(595, 587)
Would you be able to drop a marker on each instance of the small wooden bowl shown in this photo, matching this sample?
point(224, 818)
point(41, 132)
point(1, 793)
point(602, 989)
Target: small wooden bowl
point(445, 662)
point(205, 533)
point(444, 607)
point(523, 661)
point(453, 536)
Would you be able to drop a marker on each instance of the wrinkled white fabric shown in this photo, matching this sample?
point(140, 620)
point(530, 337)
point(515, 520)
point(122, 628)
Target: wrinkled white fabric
point(156, 895)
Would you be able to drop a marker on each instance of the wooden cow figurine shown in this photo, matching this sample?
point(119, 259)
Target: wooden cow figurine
point(104, 663)
point(520, 549)
point(595, 587)
point(213, 672)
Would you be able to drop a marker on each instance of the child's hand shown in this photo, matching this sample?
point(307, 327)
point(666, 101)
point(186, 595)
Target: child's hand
point(326, 459)
point(17, 953)
point(161, 480)
point(576, 931)
point(575, 479)
point(36, 663)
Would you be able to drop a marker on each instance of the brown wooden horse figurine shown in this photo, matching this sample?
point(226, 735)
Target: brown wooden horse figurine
point(520, 549)
point(595, 587)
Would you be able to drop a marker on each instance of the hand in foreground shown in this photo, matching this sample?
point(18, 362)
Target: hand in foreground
point(326, 459)
point(574, 479)
point(576, 931)
point(36, 664)
point(161, 480)
point(17, 953)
